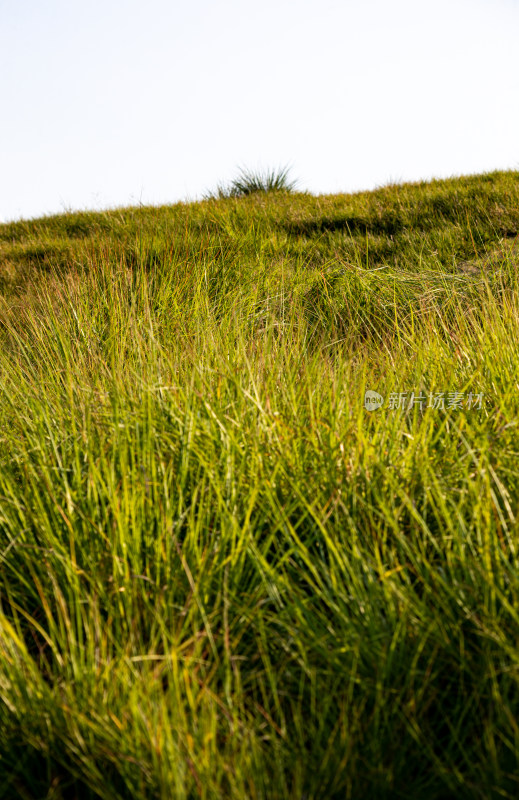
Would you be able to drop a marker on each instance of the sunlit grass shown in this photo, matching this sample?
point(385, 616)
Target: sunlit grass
point(222, 577)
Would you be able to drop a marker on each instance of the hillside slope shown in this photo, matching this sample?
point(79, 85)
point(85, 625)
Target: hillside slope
point(221, 574)
point(409, 225)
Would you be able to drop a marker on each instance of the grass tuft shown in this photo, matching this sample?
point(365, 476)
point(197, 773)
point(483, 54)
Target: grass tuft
point(249, 182)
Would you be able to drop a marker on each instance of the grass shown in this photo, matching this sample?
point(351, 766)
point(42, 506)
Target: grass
point(222, 577)
point(249, 182)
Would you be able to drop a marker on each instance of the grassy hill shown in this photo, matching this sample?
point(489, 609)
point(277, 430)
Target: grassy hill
point(221, 576)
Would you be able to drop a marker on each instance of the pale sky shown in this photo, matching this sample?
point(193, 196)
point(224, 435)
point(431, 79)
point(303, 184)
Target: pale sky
point(108, 103)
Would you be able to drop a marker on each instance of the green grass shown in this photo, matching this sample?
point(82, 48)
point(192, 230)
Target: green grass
point(222, 577)
point(249, 182)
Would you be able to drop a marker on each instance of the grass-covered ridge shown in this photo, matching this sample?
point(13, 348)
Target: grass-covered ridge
point(222, 577)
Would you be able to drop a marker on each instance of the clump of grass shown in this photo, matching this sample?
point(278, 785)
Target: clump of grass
point(250, 181)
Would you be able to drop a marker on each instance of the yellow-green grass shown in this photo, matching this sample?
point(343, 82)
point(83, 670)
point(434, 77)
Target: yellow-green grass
point(220, 575)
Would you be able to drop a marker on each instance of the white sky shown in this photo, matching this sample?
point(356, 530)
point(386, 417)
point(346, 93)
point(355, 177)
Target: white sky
point(109, 103)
